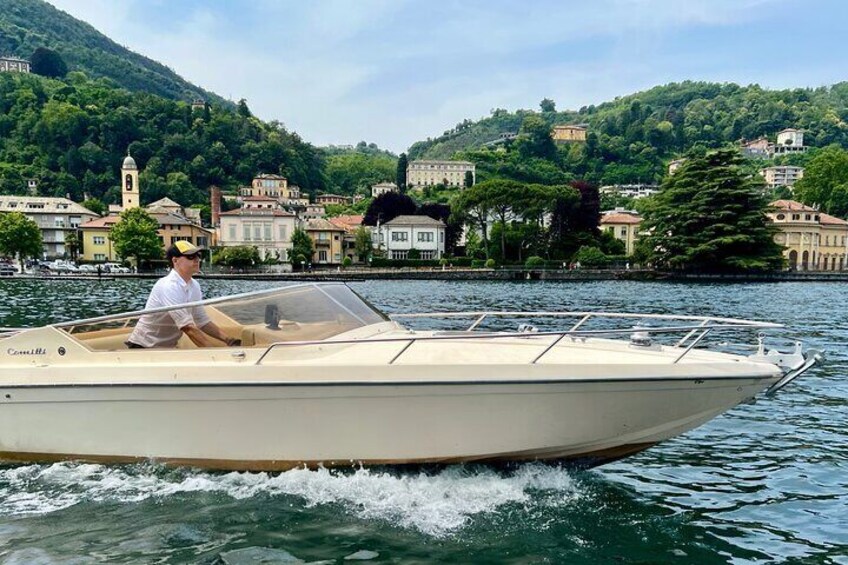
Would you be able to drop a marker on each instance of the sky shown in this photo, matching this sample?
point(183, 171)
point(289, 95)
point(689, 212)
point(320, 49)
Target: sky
point(393, 72)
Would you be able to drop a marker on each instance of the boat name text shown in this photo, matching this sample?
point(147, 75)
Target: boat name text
point(33, 351)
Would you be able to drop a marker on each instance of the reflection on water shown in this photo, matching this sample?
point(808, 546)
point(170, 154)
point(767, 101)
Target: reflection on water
point(766, 482)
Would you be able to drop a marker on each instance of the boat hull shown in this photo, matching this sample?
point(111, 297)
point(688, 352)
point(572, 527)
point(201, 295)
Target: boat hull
point(277, 426)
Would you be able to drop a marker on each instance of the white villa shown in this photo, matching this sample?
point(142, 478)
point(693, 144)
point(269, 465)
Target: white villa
point(398, 236)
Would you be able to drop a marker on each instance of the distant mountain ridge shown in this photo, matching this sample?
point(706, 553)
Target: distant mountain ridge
point(28, 24)
point(672, 118)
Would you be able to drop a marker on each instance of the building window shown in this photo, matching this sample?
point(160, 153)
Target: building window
point(99, 240)
point(267, 232)
point(246, 232)
point(232, 232)
point(425, 236)
point(283, 233)
point(781, 217)
point(623, 232)
point(400, 236)
point(257, 232)
point(322, 256)
point(99, 257)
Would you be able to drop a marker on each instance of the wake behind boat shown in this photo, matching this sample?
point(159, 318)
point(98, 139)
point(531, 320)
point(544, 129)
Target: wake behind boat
point(323, 378)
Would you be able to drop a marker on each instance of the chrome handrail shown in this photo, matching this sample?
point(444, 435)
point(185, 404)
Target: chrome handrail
point(524, 335)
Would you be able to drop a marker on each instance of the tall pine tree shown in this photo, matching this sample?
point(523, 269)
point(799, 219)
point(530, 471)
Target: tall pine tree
point(709, 216)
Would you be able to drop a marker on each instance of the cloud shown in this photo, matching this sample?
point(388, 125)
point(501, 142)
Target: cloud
point(396, 71)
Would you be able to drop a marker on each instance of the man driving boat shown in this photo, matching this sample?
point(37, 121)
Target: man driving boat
point(164, 329)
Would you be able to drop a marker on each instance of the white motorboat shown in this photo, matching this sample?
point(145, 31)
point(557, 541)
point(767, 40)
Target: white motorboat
point(321, 377)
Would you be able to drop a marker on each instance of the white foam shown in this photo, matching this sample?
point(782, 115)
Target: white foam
point(435, 503)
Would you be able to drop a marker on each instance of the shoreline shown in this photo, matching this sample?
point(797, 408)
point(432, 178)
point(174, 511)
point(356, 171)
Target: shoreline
point(455, 274)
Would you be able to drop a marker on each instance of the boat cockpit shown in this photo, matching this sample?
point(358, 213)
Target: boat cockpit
point(302, 312)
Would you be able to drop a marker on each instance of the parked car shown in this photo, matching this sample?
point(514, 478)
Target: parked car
point(63, 267)
point(7, 269)
point(87, 268)
point(114, 268)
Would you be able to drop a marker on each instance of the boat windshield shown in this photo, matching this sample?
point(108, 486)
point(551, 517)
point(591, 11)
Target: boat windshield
point(295, 313)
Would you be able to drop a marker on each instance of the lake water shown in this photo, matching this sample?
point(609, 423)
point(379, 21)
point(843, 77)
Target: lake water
point(767, 482)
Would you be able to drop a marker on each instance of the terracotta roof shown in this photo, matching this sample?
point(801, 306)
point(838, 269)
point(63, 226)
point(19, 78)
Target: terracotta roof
point(620, 218)
point(827, 219)
point(792, 205)
point(320, 224)
point(104, 222)
point(347, 221)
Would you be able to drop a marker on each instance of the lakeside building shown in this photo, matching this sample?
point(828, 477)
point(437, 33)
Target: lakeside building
point(350, 223)
point(313, 212)
point(276, 187)
point(176, 223)
point(784, 175)
point(502, 139)
point(630, 190)
point(383, 188)
point(97, 245)
point(624, 225)
point(15, 65)
point(55, 217)
point(330, 199)
point(327, 241)
point(430, 173)
point(268, 228)
point(812, 240)
point(789, 140)
point(569, 133)
point(759, 148)
point(404, 233)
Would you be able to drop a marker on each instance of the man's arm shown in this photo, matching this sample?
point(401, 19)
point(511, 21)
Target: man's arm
point(213, 330)
point(197, 336)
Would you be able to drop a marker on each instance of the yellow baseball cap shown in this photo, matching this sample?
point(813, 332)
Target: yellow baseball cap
point(180, 248)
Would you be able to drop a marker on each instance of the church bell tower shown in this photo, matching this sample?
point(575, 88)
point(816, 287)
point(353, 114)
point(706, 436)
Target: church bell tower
point(130, 197)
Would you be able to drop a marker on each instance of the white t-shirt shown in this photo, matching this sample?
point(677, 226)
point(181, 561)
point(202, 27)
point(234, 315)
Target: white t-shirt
point(163, 329)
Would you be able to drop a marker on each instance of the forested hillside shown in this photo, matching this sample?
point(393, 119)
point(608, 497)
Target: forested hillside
point(632, 138)
point(26, 25)
point(73, 134)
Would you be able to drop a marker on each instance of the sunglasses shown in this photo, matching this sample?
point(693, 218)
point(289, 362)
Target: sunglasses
point(192, 257)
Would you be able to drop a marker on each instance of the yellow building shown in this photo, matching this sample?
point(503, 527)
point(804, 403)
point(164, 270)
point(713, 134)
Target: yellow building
point(812, 240)
point(97, 246)
point(327, 241)
point(431, 173)
point(624, 225)
point(569, 134)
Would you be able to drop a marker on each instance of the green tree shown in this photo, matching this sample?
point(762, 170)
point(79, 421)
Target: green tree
point(547, 105)
point(400, 177)
point(238, 256)
point(590, 256)
point(363, 243)
point(72, 244)
point(48, 63)
point(710, 216)
point(469, 179)
point(136, 236)
point(20, 236)
point(301, 249)
point(95, 205)
point(825, 181)
point(387, 207)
